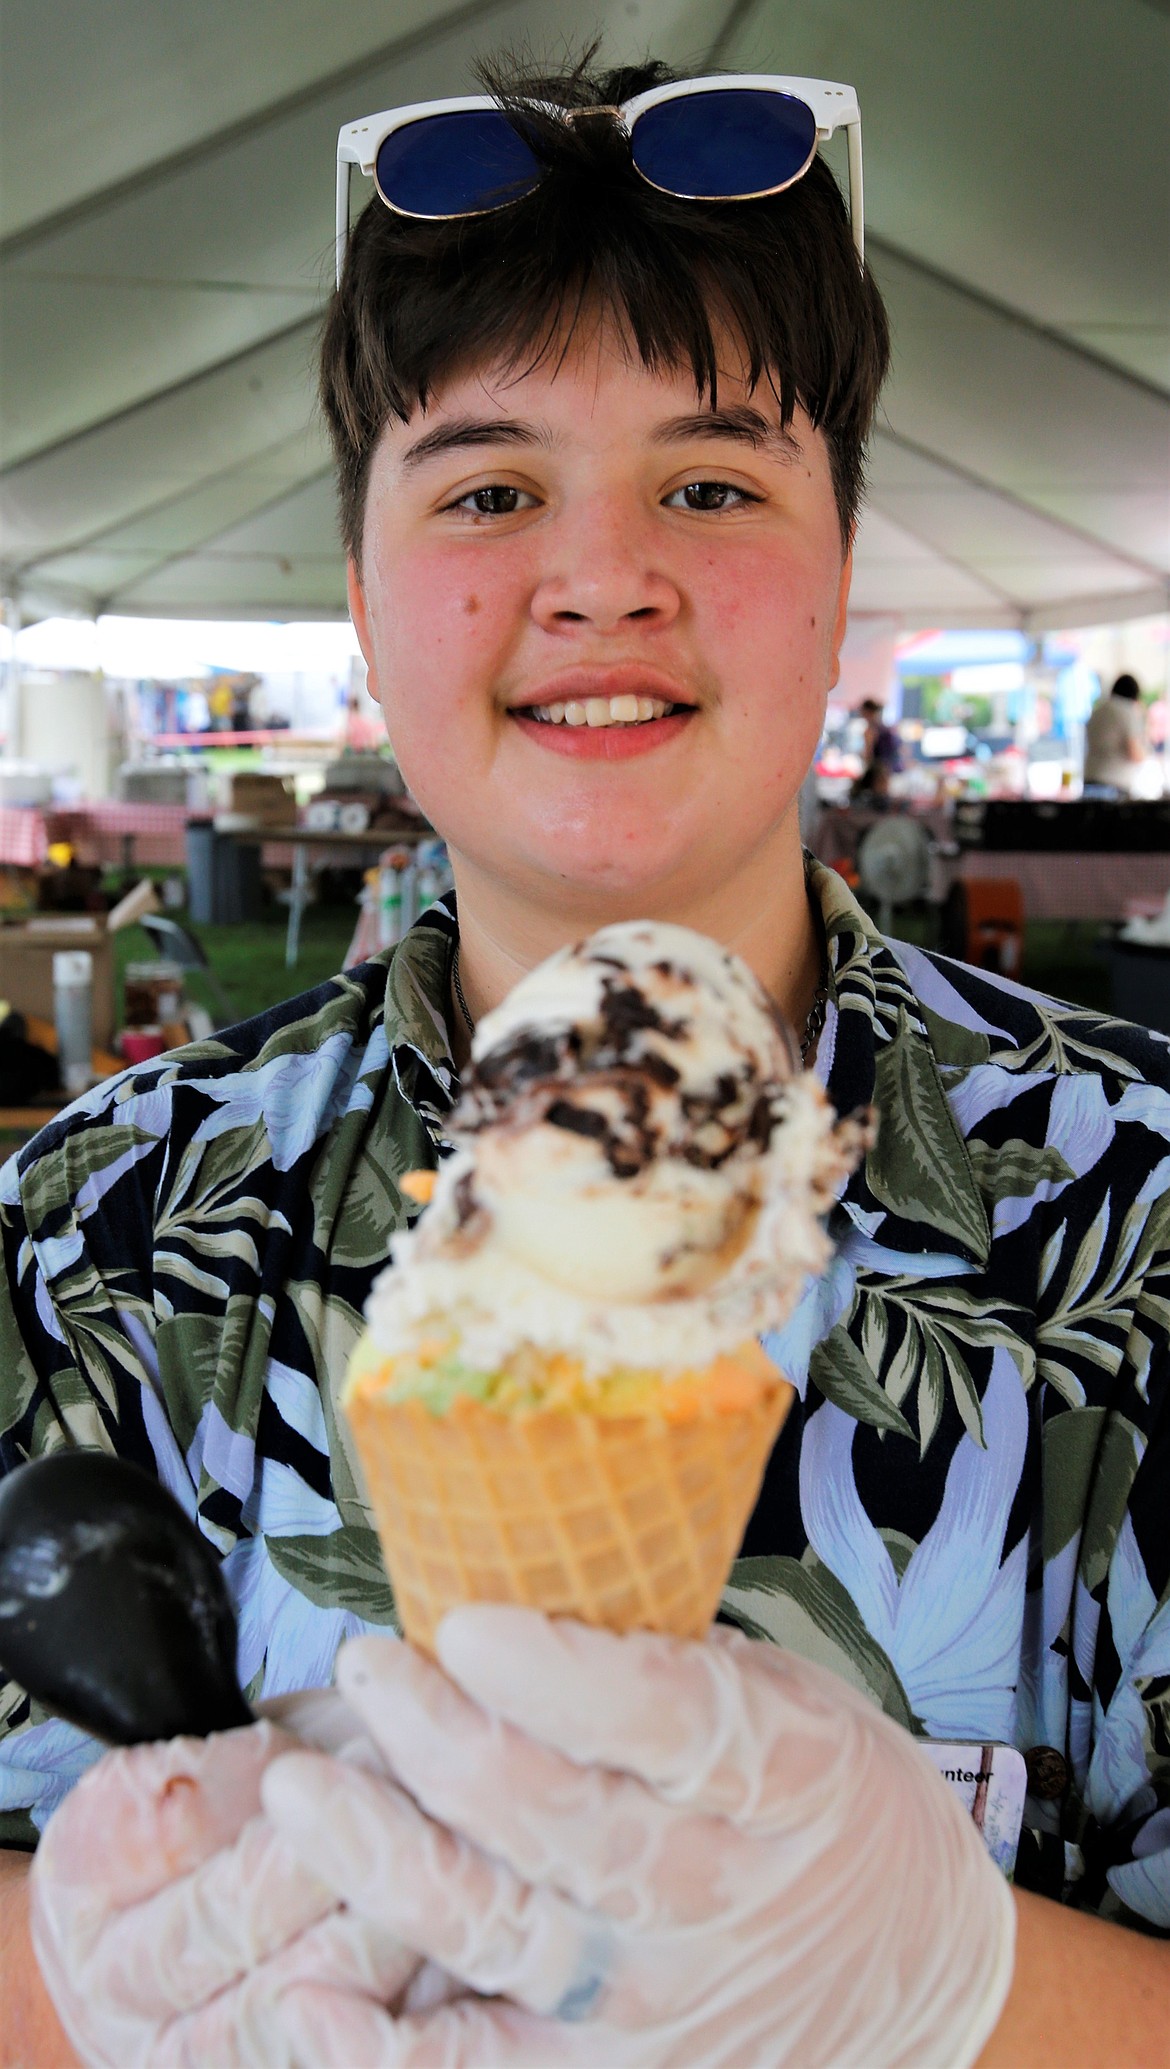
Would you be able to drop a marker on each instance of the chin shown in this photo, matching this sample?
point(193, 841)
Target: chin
point(638, 886)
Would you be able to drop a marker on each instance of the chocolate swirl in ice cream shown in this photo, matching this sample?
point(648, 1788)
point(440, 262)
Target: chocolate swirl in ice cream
point(667, 1048)
point(639, 1159)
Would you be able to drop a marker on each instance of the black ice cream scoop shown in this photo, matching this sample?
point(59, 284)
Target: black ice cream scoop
point(113, 1609)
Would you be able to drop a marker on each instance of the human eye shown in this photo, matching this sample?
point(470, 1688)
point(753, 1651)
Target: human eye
point(492, 499)
point(707, 495)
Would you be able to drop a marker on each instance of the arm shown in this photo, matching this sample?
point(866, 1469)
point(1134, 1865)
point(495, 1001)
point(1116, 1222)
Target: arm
point(31, 2034)
point(1085, 1995)
point(1136, 742)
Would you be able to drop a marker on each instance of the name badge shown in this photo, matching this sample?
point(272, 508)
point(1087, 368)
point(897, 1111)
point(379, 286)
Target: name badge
point(990, 1782)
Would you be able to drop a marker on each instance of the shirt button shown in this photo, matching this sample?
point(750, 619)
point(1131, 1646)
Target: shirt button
point(1047, 1773)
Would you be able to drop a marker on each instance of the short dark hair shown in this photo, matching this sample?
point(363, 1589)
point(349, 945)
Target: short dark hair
point(1126, 686)
point(419, 300)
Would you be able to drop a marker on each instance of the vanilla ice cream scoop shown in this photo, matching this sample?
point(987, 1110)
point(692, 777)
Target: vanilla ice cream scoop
point(618, 1115)
point(640, 1168)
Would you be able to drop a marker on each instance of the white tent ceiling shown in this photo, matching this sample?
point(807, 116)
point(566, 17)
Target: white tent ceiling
point(166, 188)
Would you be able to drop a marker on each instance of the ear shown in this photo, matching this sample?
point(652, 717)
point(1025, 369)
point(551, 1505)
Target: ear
point(361, 624)
point(840, 621)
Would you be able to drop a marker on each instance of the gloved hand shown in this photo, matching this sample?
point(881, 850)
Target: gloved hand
point(646, 1852)
point(168, 1917)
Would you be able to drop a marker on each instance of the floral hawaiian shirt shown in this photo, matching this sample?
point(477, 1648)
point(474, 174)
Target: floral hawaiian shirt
point(968, 1511)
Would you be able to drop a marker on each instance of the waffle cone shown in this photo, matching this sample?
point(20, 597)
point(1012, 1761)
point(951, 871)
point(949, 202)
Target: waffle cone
point(625, 1521)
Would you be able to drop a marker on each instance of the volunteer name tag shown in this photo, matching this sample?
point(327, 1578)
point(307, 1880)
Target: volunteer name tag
point(990, 1782)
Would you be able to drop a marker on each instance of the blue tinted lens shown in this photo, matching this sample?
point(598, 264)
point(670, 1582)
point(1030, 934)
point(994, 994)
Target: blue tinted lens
point(723, 146)
point(455, 164)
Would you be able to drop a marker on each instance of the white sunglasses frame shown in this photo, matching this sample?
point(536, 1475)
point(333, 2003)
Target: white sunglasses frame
point(834, 106)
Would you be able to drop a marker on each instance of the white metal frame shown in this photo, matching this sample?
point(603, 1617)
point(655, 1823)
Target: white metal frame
point(834, 106)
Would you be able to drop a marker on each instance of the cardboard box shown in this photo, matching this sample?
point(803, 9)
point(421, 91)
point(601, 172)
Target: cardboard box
point(26, 966)
point(258, 796)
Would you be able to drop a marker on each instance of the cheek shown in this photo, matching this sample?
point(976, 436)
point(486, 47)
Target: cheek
point(769, 634)
point(778, 606)
point(771, 628)
point(443, 621)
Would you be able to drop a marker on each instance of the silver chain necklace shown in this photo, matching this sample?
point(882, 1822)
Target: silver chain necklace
point(813, 1026)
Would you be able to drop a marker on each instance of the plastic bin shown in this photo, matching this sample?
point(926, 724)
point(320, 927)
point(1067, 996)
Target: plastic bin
point(223, 876)
point(1139, 983)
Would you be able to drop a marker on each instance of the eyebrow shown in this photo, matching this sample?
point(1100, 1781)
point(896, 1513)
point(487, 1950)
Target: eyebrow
point(463, 433)
point(739, 421)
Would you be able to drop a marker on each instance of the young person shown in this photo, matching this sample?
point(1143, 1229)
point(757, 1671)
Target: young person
point(883, 755)
point(1115, 739)
point(600, 454)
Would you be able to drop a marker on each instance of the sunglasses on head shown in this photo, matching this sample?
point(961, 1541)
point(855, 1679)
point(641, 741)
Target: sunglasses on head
point(735, 138)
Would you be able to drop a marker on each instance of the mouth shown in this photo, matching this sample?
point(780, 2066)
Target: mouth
point(625, 710)
point(609, 714)
point(604, 729)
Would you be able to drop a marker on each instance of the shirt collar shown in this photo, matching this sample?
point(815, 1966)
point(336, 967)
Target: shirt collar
point(418, 995)
point(916, 1191)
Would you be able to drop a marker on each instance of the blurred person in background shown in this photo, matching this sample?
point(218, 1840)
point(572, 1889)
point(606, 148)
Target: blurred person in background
point(883, 756)
point(1116, 745)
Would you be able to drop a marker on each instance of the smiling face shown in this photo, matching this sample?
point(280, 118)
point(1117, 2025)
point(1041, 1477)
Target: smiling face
point(602, 620)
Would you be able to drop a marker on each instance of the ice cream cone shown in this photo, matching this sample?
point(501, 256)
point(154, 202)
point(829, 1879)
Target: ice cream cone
point(560, 1399)
point(628, 1521)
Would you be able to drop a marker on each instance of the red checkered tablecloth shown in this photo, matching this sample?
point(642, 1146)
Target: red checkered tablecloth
point(23, 838)
point(1074, 887)
point(154, 835)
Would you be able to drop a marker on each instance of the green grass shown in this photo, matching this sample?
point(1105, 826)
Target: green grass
point(249, 959)
point(1062, 957)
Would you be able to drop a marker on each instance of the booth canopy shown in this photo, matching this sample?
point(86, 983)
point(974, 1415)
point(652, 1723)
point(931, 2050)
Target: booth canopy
point(167, 193)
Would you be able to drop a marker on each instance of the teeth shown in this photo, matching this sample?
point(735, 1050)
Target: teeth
point(601, 711)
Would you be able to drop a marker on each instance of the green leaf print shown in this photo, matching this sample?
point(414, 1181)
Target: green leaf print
point(358, 1217)
point(342, 1571)
point(48, 1187)
point(932, 1394)
point(957, 1049)
point(1068, 1448)
point(838, 1371)
point(220, 1166)
point(1089, 1458)
point(805, 1608)
point(332, 1328)
point(20, 1374)
point(215, 1357)
point(1063, 1046)
point(188, 1347)
point(918, 1168)
point(933, 1329)
point(1016, 1169)
point(1117, 1461)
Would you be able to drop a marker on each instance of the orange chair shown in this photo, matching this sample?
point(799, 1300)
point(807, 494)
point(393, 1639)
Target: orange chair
point(993, 915)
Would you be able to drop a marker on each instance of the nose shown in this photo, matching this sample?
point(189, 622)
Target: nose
point(604, 574)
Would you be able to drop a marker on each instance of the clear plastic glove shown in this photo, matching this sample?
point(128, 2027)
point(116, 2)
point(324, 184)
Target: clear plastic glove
point(168, 1917)
point(648, 1852)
